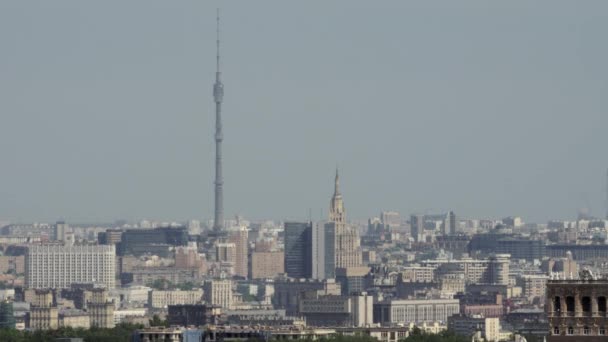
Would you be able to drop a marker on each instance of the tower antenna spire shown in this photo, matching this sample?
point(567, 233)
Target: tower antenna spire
point(218, 96)
point(217, 40)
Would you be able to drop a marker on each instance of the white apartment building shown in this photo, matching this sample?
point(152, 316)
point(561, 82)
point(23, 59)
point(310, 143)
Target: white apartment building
point(219, 292)
point(162, 299)
point(404, 311)
point(59, 266)
point(493, 270)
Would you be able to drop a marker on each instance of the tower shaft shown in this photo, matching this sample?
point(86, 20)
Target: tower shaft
point(218, 94)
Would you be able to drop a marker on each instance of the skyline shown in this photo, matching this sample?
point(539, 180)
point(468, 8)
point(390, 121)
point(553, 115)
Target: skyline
point(103, 122)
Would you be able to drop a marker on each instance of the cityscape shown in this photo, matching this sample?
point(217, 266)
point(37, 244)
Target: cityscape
point(420, 274)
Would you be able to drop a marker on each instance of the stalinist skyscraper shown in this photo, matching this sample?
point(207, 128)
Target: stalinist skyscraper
point(347, 241)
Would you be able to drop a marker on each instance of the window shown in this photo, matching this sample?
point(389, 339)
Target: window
point(586, 330)
point(570, 331)
point(602, 331)
point(586, 301)
point(601, 304)
point(555, 330)
point(557, 304)
point(570, 304)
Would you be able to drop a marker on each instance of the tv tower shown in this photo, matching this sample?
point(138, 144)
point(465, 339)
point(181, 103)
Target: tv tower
point(218, 94)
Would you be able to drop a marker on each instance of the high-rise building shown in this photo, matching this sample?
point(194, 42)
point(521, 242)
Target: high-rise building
point(43, 314)
point(323, 250)
point(265, 265)
point(417, 227)
point(240, 239)
point(226, 253)
point(353, 279)
point(101, 309)
point(218, 292)
point(347, 240)
point(56, 266)
point(189, 258)
point(59, 231)
point(156, 241)
point(390, 219)
point(298, 249)
point(449, 224)
point(7, 318)
point(109, 237)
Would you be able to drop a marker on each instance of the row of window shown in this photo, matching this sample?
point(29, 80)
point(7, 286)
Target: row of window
point(586, 331)
point(585, 303)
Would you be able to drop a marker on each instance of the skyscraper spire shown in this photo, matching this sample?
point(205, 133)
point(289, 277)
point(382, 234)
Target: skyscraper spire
point(337, 184)
point(337, 213)
point(218, 94)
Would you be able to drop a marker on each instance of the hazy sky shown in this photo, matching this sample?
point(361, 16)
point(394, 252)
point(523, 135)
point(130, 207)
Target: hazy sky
point(487, 108)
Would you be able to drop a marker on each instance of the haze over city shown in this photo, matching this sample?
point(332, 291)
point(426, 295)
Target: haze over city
point(488, 109)
point(344, 171)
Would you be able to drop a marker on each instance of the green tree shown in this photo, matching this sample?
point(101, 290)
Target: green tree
point(160, 284)
point(417, 335)
point(157, 322)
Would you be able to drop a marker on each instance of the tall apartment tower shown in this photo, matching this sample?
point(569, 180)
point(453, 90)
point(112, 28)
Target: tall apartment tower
point(101, 309)
point(449, 224)
point(59, 231)
point(298, 249)
point(323, 250)
point(417, 227)
point(240, 240)
point(347, 241)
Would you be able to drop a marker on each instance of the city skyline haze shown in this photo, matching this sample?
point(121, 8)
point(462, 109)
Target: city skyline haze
point(488, 109)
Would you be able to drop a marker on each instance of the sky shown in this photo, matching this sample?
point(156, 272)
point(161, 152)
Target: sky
point(485, 108)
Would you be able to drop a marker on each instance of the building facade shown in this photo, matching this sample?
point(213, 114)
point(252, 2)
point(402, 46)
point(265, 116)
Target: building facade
point(337, 311)
point(287, 291)
point(347, 250)
point(240, 237)
point(323, 250)
point(162, 299)
point(576, 309)
point(264, 264)
point(298, 249)
point(44, 314)
point(218, 292)
point(101, 309)
point(404, 311)
point(57, 266)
